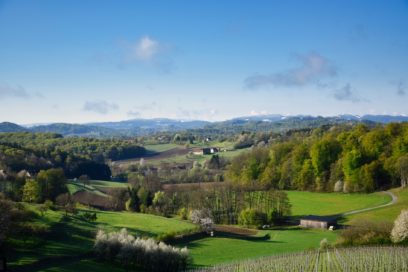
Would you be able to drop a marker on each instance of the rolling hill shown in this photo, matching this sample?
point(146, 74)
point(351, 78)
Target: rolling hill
point(272, 122)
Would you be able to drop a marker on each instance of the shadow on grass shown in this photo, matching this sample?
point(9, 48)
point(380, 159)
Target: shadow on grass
point(69, 241)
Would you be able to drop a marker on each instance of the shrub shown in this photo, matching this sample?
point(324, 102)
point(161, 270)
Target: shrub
point(183, 213)
point(400, 231)
point(251, 217)
point(365, 233)
point(324, 244)
point(89, 216)
point(137, 253)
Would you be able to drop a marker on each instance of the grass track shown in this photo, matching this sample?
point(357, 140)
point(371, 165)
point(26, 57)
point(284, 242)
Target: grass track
point(306, 203)
point(386, 214)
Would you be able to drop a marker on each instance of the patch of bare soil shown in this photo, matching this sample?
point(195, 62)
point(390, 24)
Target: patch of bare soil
point(93, 200)
point(177, 151)
point(182, 187)
point(235, 230)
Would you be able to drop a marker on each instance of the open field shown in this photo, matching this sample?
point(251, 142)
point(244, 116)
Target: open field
point(94, 186)
point(229, 248)
point(160, 147)
point(386, 214)
point(179, 154)
point(70, 239)
point(310, 203)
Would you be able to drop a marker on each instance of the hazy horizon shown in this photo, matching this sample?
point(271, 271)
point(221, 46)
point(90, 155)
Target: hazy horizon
point(92, 61)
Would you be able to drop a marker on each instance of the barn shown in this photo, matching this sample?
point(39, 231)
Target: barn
point(318, 222)
point(205, 150)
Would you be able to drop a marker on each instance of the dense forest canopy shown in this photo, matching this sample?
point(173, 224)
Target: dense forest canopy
point(341, 158)
point(36, 151)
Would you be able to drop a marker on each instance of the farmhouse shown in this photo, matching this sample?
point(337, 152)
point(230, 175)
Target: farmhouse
point(205, 150)
point(318, 222)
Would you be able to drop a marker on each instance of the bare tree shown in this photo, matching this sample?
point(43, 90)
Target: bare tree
point(402, 165)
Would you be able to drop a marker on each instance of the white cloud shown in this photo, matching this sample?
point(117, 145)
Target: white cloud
point(100, 106)
point(146, 49)
point(313, 67)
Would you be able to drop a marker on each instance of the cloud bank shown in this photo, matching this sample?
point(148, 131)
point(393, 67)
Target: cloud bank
point(312, 67)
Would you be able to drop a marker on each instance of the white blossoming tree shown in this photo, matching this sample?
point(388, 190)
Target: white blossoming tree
point(400, 231)
point(203, 218)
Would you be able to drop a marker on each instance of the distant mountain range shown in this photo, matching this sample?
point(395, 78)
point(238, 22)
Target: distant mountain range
point(148, 126)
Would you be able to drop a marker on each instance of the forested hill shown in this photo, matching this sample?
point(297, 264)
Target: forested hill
point(341, 158)
point(11, 127)
point(143, 127)
point(76, 130)
point(77, 156)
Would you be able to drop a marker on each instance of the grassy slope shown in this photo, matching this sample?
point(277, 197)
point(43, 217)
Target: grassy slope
point(388, 214)
point(192, 158)
point(74, 187)
point(210, 251)
point(76, 237)
point(104, 183)
point(142, 224)
point(306, 203)
point(93, 186)
point(160, 147)
point(69, 240)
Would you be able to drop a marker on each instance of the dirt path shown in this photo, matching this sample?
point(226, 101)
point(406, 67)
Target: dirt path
point(392, 202)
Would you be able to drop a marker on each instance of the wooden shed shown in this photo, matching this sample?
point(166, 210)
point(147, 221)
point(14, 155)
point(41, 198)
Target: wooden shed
point(318, 222)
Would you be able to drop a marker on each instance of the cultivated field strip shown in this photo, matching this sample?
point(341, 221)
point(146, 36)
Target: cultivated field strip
point(374, 259)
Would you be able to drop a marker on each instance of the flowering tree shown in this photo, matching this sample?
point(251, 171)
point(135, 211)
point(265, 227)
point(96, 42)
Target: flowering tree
point(203, 218)
point(400, 231)
point(137, 253)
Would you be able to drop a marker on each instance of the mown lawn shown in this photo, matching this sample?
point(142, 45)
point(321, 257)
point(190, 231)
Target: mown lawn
point(142, 224)
point(77, 187)
point(310, 203)
point(105, 183)
point(215, 250)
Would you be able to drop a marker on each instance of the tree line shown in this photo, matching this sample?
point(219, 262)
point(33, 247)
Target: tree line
point(77, 156)
point(336, 158)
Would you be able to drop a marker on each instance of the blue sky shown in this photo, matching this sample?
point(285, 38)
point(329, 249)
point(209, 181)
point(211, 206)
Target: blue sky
point(84, 61)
